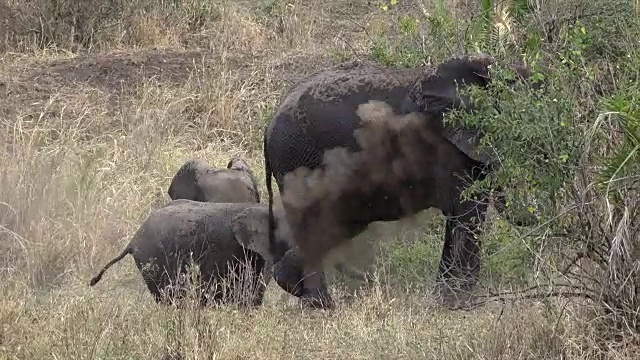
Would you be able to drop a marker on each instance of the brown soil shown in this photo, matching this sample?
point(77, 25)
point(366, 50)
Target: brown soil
point(117, 74)
point(117, 71)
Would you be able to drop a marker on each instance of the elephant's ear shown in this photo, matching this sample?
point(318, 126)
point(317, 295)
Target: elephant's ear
point(250, 228)
point(437, 92)
point(467, 141)
point(237, 163)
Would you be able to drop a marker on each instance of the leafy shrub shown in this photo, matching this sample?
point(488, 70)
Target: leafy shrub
point(568, 147)
point(552, 146)
point(412, 263)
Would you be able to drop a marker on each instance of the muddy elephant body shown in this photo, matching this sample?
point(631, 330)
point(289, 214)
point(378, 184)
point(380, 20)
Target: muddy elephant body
point(220, 238)
point(320, 113)
point(198, 181)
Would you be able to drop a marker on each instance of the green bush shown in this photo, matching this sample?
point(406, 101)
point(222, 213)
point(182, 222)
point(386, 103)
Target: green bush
point(412, 263)
point(402, 50)
point(568, 148)
point(507, 259)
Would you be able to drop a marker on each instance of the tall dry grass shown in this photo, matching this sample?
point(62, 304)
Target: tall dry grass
point(93, 129)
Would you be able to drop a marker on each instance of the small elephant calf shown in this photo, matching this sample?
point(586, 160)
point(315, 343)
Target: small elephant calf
point(219, 237)
point(196, 180)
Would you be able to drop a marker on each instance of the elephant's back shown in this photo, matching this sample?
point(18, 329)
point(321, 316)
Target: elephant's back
point(349, 82)
point(228, 186)
point(319, 112)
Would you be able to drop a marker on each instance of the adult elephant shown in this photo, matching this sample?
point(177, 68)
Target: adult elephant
point(320, 113)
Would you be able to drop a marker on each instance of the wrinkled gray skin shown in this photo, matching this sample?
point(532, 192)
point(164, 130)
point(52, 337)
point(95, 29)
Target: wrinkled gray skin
point(319, 113)
point(221, 238)
point(198, 181)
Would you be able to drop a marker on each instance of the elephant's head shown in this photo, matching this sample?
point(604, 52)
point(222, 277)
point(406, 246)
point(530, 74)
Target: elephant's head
point(250, 228)
point(184, 182)
point(437, 92)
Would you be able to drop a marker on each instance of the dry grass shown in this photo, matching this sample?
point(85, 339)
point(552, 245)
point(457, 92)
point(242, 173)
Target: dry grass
point(88, 145)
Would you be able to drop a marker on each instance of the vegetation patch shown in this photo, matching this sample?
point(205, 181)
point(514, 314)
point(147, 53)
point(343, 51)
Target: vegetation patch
point(102, 101)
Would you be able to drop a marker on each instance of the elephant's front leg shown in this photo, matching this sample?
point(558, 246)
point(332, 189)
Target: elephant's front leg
point(459, 269)
point(460, 263)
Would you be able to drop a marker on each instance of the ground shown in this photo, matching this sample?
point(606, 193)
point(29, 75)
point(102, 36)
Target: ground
point(89, 143)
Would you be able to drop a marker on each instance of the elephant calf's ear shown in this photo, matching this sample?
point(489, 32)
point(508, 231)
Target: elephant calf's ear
point(250, 228)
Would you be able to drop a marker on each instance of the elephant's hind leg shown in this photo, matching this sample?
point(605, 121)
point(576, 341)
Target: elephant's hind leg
point(158, 289)
point(315, 293)
point(153, 280)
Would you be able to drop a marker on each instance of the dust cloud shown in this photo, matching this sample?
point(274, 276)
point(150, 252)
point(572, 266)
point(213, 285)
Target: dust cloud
point(327, 206)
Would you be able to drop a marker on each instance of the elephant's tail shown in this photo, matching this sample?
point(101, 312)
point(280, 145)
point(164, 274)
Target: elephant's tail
point(268, 173)
point(128, 250)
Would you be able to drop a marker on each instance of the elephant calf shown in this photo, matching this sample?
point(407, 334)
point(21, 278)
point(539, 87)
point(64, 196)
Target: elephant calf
point(196, 180)
point(219, 237)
